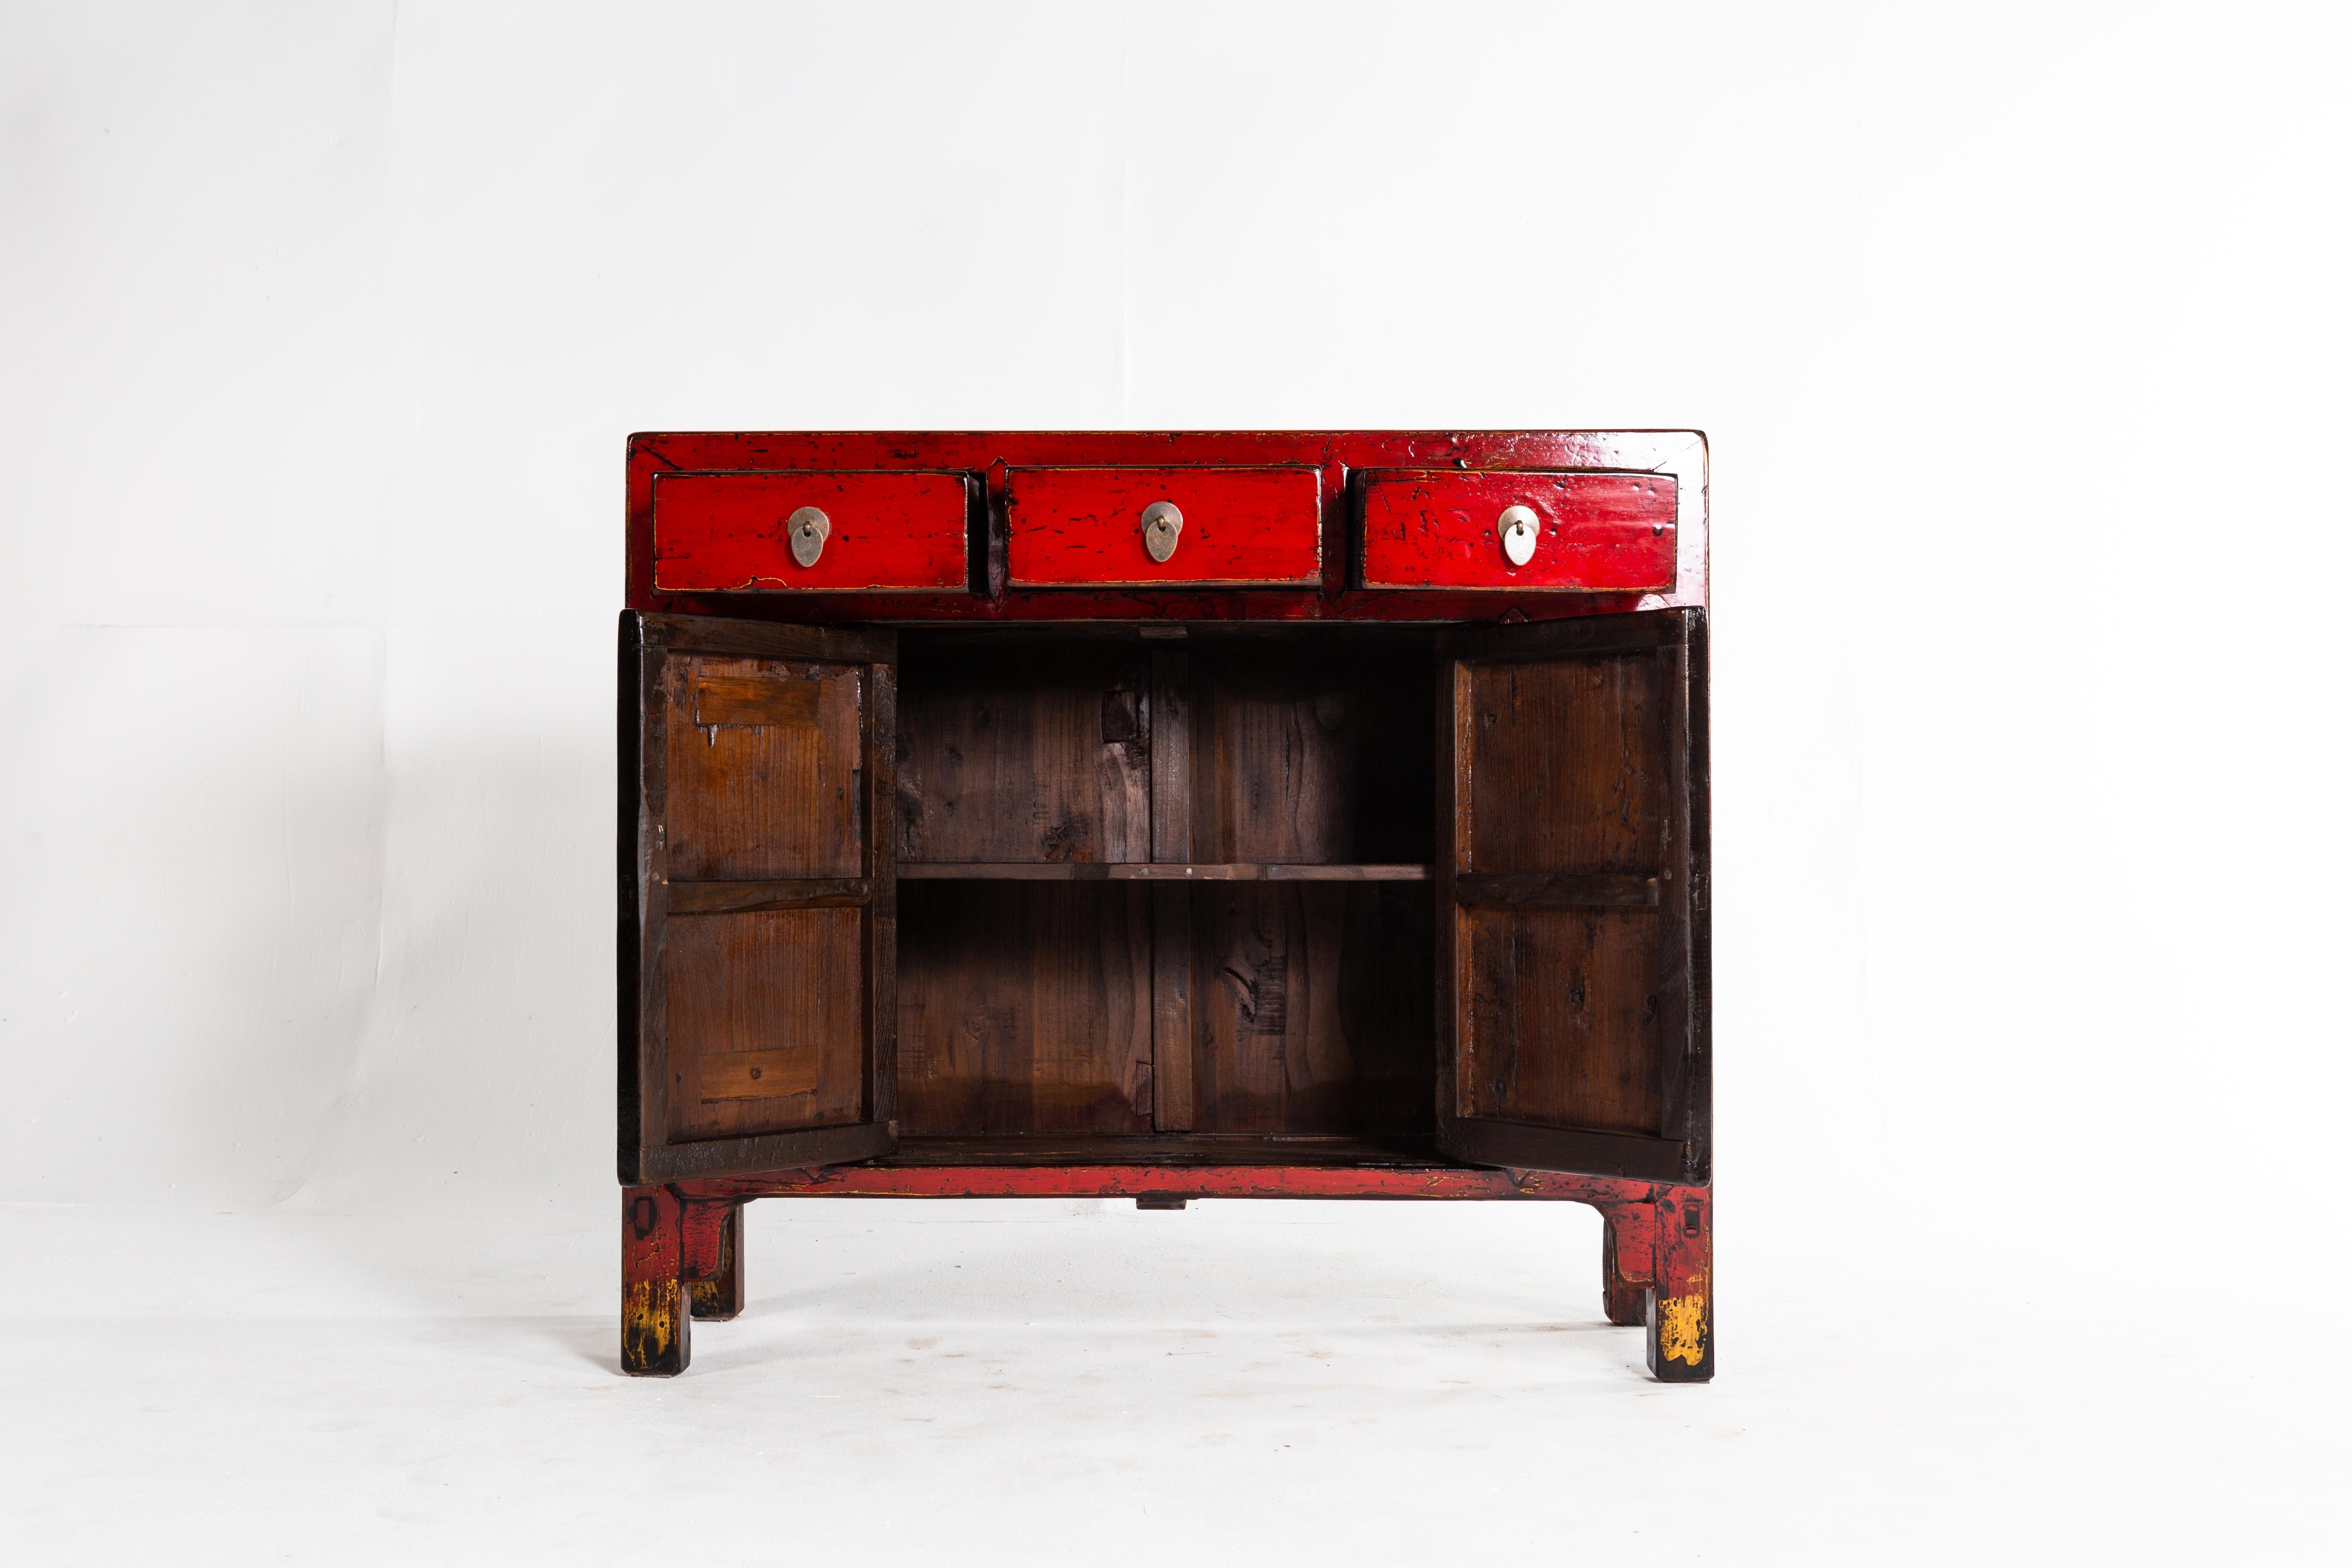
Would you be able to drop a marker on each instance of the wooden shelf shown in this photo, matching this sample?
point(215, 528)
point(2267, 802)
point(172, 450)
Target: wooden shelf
point(1149, 871)
point(1175, 1149)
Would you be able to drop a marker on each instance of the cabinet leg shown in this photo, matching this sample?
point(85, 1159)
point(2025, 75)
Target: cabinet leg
point(719, 1296)
point(1627, 1237)
point(654, 1318)
point(1681, 1298)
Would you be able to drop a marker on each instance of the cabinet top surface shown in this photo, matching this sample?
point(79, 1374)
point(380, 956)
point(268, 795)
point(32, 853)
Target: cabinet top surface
point(1384, 525)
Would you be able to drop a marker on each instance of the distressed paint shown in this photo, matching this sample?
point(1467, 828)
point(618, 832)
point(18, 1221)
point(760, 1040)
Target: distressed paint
point(1594, 532)
point(1338, 454)
point(654, 1312)
point(882, 1181)
point(1243, 527)
point(706, 536)
point(891, 532)
point(1682, 1327)
point(1681, 1291)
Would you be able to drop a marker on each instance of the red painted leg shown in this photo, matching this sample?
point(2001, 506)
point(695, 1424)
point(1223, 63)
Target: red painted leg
point(714, 1259)
point(1682, 1300)
point(655, 1317)
point(1627, 1237)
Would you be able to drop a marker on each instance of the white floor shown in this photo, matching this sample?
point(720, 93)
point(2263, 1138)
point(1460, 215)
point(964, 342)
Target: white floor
point(1080, 1382)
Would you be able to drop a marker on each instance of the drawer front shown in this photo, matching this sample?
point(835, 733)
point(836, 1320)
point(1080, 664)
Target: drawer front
point(859, 532)
point(1444, 528)
point(1256, 527)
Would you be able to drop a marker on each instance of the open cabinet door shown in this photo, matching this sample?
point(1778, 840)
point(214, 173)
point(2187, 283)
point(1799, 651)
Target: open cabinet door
point(1572, 942)
point(758, 1000)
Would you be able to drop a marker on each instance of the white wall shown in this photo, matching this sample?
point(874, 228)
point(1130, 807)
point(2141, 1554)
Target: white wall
point(2017, 333)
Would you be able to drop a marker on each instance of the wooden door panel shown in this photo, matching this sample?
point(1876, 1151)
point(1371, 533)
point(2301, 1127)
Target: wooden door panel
point(1567, 766)
point(1571, 895)
point(757, 1014)
point(758, 901)
point(765, 776)
point(1581, 987)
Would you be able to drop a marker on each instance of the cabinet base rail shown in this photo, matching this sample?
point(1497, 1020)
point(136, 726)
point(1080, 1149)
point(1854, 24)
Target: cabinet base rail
point(682, 1243)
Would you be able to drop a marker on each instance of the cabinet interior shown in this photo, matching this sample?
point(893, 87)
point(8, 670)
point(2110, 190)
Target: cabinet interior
point(1156, 888)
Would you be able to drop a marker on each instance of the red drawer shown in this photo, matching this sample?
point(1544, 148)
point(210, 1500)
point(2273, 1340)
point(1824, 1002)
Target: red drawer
point(881, 532)
point(1256, 527)
point(1442, 527)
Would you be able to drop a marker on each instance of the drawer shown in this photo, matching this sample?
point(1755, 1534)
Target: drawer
point(861, 532)
point(1254, 527)
point(1444, 528)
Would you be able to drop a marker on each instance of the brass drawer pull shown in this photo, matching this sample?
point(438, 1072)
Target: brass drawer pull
point(1161, 524)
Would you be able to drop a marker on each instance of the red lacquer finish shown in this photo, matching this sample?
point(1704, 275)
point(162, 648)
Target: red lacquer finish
point(1241, 527)
point(890, 532)
point(1339, 457)
point(1005, 528)
point(1595, 532)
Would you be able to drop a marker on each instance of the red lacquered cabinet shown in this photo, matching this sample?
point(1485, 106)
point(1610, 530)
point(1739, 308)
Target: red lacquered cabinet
point(1165, 815)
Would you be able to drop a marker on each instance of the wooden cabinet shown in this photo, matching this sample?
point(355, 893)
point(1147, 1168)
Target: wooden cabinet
point(1088, 870)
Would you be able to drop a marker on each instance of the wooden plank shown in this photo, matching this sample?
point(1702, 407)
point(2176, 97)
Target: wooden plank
point(765, 799)
point(788, 982)
point(770, 639)
point(700, 898)
point(1518, 1146)
point(881, 836)
point(1554, 887)
point(1311, 1007)
point(1594, 532)
point(1024, 751)
point(1579, 636)
point(1440, 1180)
point(1172, 1036)
point(887, 531)
point(1199, 1148)
point(747, 699)
point(1242, 526)
point(1311, 749)
point(1149, 871)
point(1568, 764)
point(1564, 1022)
point(760, 1075)
point(1171, 757)
point(768, 1153)
point(1025, 1007)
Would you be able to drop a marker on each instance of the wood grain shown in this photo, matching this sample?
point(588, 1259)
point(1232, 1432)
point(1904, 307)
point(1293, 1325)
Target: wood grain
point(1564, 1025)
point(1024, 1008)
point(1568, 766)
point(751, 798)
point(780, 986)
point(1002, 754)
point(1311, 1008)
point(1312, 749)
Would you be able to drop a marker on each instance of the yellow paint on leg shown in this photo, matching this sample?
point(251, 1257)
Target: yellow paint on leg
point(1682, 1327)
point(649, 1311)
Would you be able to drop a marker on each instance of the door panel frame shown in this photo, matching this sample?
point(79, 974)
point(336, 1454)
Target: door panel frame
point(1683, 1154)
point(645, 1152)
